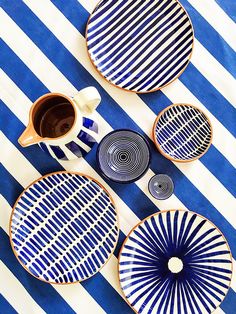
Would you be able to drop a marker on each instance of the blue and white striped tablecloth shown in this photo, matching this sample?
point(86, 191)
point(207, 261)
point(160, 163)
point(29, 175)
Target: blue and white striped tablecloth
point(42, 49)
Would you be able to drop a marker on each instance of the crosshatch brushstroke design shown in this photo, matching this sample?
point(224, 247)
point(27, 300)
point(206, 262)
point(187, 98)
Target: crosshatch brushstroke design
point(140, 45)
point(146, 280)
point(183, 132)
point(64, 228)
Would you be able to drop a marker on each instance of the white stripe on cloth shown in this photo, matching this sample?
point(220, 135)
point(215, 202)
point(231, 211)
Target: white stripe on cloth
point(13, 156)
point(218, 19)
point(127, 217)
point(177, 92)
point(209, 186)
point(214, 72)
point(21, 300)
point(69, 293)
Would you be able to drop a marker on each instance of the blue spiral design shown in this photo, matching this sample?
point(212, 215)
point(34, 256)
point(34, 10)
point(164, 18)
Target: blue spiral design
point(175, 262)
point(123, 156)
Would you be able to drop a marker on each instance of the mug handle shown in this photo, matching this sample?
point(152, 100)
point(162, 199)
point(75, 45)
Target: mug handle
point(87, 99)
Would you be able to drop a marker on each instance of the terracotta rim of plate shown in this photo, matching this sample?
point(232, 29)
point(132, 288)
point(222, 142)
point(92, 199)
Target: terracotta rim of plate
point(156, 214)
point(35, 181)
point(158, 146)
point(132, 91)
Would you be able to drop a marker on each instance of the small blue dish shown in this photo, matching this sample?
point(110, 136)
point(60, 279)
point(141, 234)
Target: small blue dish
point(161, 186)
point(182, 133)
point(123, 156)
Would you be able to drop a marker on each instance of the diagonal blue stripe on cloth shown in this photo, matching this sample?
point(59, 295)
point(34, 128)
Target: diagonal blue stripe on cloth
point(5, 306)
point(69, 71)
point(229, 303)
point(158, 163)
point(219, 166)
point(212, 40)
point(194, 200)
point(9, 187)
point(212, 99)
point(43, 293)
point(229, 7)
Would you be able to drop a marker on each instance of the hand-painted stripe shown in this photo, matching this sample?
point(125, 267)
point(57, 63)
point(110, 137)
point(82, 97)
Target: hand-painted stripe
point(78, 26)
point(209, 101)
point(185, 196)
point(35, 287)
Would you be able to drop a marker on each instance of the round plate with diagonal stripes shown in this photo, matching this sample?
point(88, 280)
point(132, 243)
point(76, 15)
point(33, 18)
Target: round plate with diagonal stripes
point(64, 227)
point(140, 46)
point(175, 261)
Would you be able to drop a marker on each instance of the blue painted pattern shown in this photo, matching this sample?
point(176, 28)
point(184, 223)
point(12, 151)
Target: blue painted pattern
point(64, 228)
point(182, 132)
point(140, 46)
point(85, 142)
point(123, 156)
point(175, 262)
point(43, 50)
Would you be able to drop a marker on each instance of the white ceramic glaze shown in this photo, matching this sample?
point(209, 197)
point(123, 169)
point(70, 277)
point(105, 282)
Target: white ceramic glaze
point(79, 139)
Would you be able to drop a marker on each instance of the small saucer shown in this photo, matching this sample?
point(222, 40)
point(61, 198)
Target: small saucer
point(161, 186)
point(123, 156)
point(182, 133)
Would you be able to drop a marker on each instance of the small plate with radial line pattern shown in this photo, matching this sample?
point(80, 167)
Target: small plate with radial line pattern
point(64, 228)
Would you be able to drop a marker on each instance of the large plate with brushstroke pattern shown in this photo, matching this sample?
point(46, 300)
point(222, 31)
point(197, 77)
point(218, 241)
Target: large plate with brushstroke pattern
point(175, 262)
point(140, 46)
point(64, 227)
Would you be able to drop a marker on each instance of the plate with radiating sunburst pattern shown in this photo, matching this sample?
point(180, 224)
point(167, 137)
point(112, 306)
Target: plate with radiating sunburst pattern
point(175, 262)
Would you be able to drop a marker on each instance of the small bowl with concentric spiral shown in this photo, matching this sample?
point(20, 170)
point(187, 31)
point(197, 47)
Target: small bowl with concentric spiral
point(182, 133)
point(123, 156)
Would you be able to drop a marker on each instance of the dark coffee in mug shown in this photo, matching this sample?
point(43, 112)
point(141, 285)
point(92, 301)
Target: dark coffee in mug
point(55, 117)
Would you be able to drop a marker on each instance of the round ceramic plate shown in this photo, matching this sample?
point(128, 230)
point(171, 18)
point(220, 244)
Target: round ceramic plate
point(64, 227)
point(182, 133)
point(140, 46)
point(175, 262)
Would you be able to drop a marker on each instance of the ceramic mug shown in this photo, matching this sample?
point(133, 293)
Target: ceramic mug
point(57, 123)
